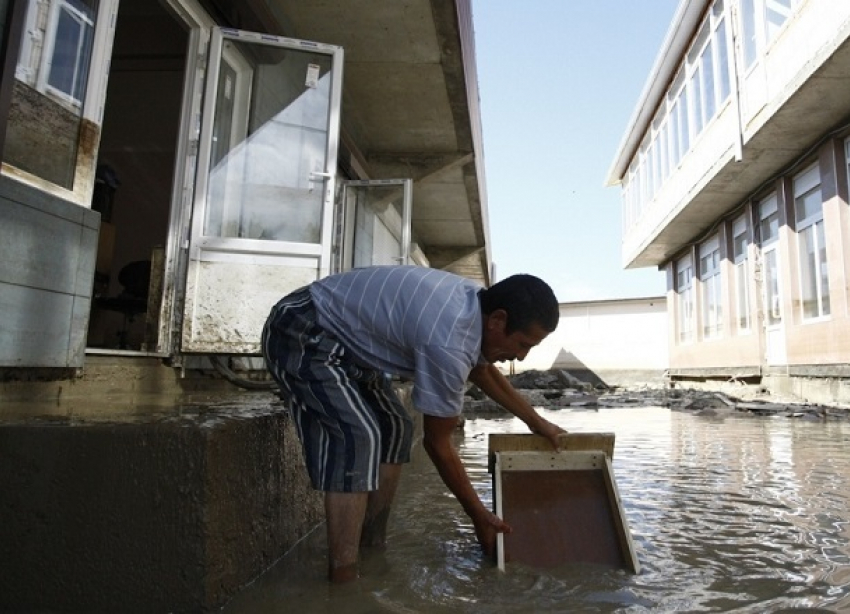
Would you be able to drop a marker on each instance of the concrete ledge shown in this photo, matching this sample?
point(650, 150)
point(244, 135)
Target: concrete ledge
point(174, 514)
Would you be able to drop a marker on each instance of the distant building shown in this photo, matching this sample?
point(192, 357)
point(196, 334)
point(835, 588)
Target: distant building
point(620, 341)
point(734, 178)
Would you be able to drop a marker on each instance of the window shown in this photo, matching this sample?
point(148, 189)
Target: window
point(769, 239)
point(761, 21)
point(808, 215)
point(68, 49)
point(49, 90)
point(709, 275)
point(684, 293)
point(740, 243)
point(695, 96)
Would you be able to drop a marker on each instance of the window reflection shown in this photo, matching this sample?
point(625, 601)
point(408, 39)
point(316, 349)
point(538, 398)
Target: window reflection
point(45, 115)
point(270, 134)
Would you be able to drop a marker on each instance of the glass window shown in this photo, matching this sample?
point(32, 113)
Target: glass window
point(724, 80)
point(761, 21)
point(269, 138)
point(808, 214)
point(740, 243)
point(45, 113)
point(684, 293)
point(769, 240)
point(768, 221)
point(709, 274)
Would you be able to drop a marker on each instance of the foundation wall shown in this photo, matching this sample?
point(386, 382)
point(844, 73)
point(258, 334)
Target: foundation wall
point(167, 515)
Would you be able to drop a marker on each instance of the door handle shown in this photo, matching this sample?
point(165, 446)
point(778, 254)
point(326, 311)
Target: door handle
point(316, 176)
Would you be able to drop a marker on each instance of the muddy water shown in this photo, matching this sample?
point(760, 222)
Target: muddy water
point(728, 514)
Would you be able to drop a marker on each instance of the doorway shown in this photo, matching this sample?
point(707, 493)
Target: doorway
point(135, 175)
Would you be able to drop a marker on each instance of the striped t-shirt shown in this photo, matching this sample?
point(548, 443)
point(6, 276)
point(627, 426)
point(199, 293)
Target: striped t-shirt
point(419, 323)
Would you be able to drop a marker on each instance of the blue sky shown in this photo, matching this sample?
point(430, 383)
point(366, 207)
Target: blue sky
point(558, 81)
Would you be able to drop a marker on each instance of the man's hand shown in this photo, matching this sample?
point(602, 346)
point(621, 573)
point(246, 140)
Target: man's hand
point(550, 431)
point(487, 526)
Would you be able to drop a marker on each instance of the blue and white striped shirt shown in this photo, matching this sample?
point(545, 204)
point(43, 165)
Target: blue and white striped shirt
point(415, 322)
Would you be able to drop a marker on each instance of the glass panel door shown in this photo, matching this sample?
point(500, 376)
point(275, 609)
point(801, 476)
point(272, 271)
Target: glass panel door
point(377, 222)
point(263, 211)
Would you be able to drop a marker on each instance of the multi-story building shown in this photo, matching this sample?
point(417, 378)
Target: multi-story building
point(734, 177)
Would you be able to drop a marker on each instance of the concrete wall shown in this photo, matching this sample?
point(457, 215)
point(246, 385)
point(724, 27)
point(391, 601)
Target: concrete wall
point(47, 259)
point(172, 514)
point(624, 340)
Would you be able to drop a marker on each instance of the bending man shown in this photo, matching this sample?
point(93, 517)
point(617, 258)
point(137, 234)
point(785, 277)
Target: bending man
point(332, 347)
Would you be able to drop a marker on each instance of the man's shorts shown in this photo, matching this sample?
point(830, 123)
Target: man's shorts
point(348, 417)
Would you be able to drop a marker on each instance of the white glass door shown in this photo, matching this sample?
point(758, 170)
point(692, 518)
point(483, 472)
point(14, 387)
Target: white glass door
point(262, 217)
point(377, 222)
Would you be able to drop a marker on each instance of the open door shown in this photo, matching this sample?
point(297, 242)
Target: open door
point(262, 217)
point(376, 222)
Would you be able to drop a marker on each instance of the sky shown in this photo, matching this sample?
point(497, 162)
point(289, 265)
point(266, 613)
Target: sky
point(558, 82)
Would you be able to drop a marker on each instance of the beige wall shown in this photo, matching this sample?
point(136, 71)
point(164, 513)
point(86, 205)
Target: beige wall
point(611, 335)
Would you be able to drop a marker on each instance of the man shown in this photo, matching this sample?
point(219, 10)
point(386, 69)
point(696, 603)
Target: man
point(331, 346)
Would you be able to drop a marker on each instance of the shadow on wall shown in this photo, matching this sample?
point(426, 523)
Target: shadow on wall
point(570, 363)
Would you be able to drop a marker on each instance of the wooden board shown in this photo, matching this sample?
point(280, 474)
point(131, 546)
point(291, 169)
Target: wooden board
point(570, 442)
point(564, 507)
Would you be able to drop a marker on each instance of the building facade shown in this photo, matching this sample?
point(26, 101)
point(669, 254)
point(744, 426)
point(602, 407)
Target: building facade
point(734, 178)
point(171, 168)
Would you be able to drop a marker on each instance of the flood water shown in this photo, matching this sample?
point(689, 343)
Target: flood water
point(732, 513)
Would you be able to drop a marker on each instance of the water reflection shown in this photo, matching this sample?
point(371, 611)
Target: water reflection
point(736, 514)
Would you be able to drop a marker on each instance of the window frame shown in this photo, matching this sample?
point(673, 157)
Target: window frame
point(740, 260)
point(684, 277)
point(711, 291)
point(85, 43)
point(809, 229)
point(768, 213)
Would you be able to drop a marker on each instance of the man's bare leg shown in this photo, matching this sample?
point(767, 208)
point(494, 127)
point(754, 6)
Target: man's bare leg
point(379, 504)
point(344, 512)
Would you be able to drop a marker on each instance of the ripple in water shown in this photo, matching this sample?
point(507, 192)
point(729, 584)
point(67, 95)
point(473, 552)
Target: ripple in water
point(736, 514)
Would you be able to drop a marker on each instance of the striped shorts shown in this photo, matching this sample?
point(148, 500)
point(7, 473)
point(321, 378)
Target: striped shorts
point(348, 417)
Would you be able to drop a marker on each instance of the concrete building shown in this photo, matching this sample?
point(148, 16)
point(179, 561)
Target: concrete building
point(170, 168)
point(618, 341)
point(734, 178)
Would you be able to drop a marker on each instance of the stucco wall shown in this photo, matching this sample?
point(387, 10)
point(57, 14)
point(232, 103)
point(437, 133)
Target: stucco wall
point(607, 337)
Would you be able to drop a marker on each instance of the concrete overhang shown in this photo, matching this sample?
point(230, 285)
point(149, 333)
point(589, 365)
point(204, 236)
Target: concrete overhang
point(410, 107)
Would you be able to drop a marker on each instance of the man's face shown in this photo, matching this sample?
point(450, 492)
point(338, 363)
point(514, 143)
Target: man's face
point(497, 346)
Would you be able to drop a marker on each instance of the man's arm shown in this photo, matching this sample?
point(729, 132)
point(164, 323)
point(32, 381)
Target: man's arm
point(497, 387)
point(438, 443)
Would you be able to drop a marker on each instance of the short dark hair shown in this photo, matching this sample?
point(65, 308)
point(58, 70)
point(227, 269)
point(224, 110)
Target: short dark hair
point(526, 299)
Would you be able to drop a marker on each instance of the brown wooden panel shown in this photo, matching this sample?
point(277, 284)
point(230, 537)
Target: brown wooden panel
point(559, 517)
point(564, 507)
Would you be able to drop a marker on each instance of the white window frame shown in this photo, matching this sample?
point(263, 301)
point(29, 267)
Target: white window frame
point(36, 53)
point(769, 212)
point(85, 22)
point(711, 305)
point(684, 113)
point(740, 248)
point(809, 226)
point(685, 300)
point(758, 31)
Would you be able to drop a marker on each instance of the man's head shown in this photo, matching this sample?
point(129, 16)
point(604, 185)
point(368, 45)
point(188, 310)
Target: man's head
point(518, 312)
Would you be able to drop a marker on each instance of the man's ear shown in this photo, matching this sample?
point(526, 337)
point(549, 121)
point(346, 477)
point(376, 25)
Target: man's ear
point(497, 320)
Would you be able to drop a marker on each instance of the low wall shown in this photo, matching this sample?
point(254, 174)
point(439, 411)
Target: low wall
point(173, 514)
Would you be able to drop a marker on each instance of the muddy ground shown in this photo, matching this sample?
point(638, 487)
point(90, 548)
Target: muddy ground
point(559, 389)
